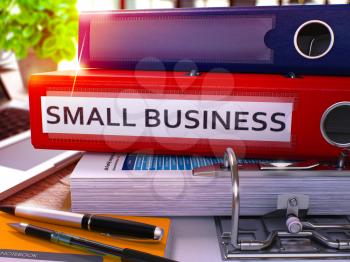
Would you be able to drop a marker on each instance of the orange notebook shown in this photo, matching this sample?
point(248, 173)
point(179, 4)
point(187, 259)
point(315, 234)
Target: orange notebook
point(15, 246)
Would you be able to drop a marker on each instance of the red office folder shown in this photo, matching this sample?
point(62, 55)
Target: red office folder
point(268, 116)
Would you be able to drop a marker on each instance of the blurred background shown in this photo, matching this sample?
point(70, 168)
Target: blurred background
point(145, 4)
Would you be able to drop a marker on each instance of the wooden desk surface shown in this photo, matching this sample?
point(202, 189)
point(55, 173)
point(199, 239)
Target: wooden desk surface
point(51, 192)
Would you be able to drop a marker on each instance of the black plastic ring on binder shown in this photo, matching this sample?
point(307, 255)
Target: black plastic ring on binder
point(290, 234)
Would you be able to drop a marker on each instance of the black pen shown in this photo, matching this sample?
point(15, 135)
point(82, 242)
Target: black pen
point(85, 244)
point(103, 224)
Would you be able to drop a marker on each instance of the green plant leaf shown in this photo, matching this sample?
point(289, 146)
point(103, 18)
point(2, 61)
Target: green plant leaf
point(72, 28)
point(42, 5)
point(47, 26)
point(4, 4)
point(69, 50)
point(20, 51)
point(28, 31)
point(49, 44)
point(36, 37)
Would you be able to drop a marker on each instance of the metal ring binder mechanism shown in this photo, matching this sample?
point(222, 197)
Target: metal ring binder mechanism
point(286, 233)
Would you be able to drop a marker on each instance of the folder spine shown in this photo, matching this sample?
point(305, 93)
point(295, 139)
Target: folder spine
point(163, 112)
point(281, 39)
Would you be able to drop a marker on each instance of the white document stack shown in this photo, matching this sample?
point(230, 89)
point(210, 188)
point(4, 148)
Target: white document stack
point(145, 185)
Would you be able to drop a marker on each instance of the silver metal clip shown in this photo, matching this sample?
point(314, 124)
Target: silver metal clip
point(342, 158)
point(193, 72)
point(292, 235)
point(214, 170)
point(301, 165)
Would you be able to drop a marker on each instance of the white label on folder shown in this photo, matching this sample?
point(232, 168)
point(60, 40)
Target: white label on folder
point(169, 118)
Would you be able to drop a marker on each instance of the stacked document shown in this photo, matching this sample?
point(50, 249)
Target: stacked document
point(146, 185)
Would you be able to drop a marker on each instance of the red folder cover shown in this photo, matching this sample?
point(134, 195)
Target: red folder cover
point(161, 112)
